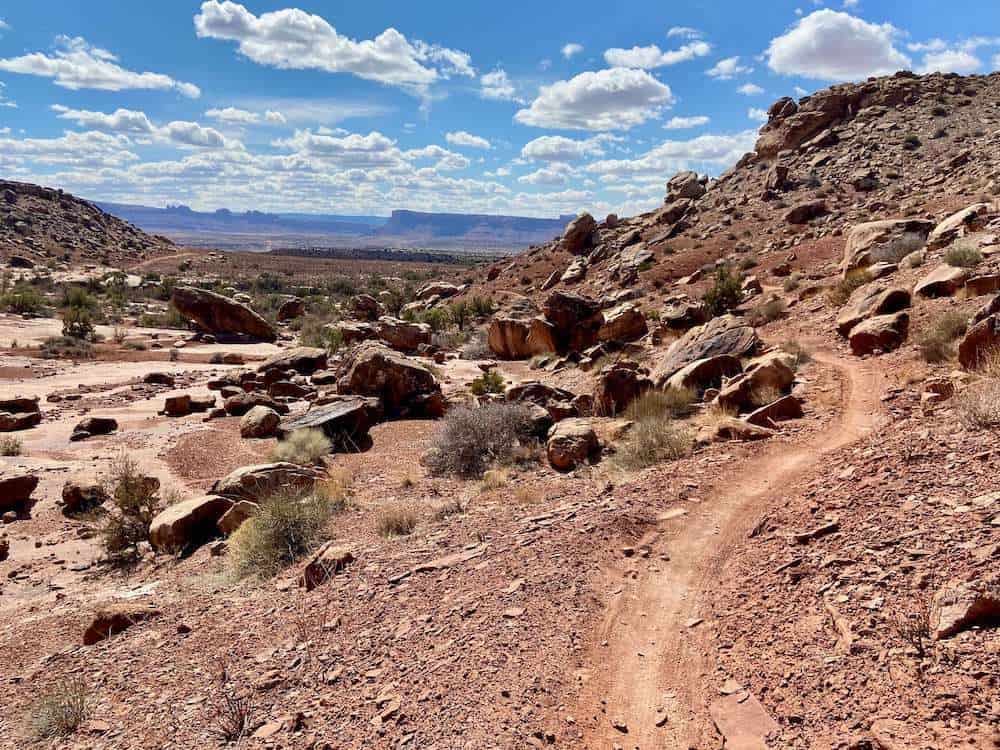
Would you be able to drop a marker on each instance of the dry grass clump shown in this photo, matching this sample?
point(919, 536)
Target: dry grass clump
point(935, 342)
point(963, 255)
point(528, 495)
point(10, 445)
point(288, 525)
point(231, 712)
point(765, 395)
point(912, 625)
point(470, 440)
point(134, 506)
point(803, 355)
point(448, 508)
point(304, 447)
point(652, 441)
point(59, 711)
point(494, 479)
point(670, 403)
point(767, 312)
point(843, 289)
point(396, 520)
point(978, 405)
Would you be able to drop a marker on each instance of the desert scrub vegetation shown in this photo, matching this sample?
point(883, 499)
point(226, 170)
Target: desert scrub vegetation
point(767, 312)
point(489, 382)
point(669, 403)
point(59, 711)
point(286, 526)
point(725, 293)
point(66, 347)
point(470, 440)
point(23, 299)
point(651, 441)
point(841, 291)
point(303, 447)
point(395, 520)
point(801, 353)
point(10, 445)
point(978, 405)
point(935, 342)
point(134, 504)
point(963, 255)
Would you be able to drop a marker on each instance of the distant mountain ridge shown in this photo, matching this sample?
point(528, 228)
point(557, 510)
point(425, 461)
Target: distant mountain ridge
point(402, 228)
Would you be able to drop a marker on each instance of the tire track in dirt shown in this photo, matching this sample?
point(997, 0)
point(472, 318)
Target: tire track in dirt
point(655, 668)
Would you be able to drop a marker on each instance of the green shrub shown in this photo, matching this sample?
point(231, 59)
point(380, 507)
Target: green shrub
point(481, 307)
point(725, 293)
point(767, 312)
point(134, 506)
point(963, 255)
point(10, 445)
point(77, 324)
point(286, 526)
point(23, 300)
point(489, 382)
point(65, 347)
point(303, 447)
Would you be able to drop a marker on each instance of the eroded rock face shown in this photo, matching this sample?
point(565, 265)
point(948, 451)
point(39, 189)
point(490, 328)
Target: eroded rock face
point(329, 560)
point(803, 213)
point(943, 281)
point(955, 226)
point(703, 374)
point(260, 480)
point(220, 315)
point(889, 240)
point(625, 322)
point(514, 338)
point(575, 320)
point(440, 289)
point(880, 333)
point(725, 334)
point(19, 414)
point(93, 426)
point(402, 335)
point(113, 618)
point(619, 385)
point(578, 235)
point(961, 606)
point(291, 308)
point(305, 360)
point(980, 342)
point(187, 524)
point(685, 185)
point(404, 386)
point(870, 300)
point(571, 443)
point(345, 421)
point(15, 492)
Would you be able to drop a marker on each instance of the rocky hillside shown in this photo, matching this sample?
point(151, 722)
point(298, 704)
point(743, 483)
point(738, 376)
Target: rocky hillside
point(40, 225)
point(901, 146)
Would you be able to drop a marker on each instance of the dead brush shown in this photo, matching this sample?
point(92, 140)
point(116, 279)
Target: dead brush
point(802, 355)
point(843, 289)
point(978, 405)
point(453, 507)
point(395, 521)
point(230, 712)
point(651, 441)
point(912, 625)
point(764, 395)
point(59, 711)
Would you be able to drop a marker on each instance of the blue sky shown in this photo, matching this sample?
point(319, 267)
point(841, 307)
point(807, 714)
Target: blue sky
point(536, 108)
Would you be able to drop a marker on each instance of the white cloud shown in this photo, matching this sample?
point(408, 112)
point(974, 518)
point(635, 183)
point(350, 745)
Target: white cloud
point(728, 68)
point(750, 89)
point(571, 49)
point(851, 3)
point(74, 64)
point(294, 39)
point(311, 111)
point(274, 117)
point(683, 123)
point(4, 101)
point(4, 26)
point(612, 99)
point(193, 134)
point(835, 46)
point(685, 32)
point(120, 121)
point(715, 151)
point(931, 45)
point(233, 115)
point(91, 149)
point(950, 61)
point(553, 174)
point(496, 85)
point(557, 148)
point(757, 115)
point(348, 151)
point(462, 138)
point(653, 57)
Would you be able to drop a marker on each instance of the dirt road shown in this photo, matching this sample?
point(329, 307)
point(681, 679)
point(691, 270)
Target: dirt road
point(654, 673)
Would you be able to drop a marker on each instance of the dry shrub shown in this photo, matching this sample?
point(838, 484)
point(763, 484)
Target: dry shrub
point(768, 312)
point(396, 520)
point(304, 447)
point(488, 382)
point(231, 713)
point(528, 495)
point(469, 440)
point(978, 405)
point(911, 624)
point(453, 507)
point(651, 441)
point(670, 403)
point(288, 525)
point(494, 479)
point(843, 289)
point(935, 342)
point(803, 356)
point(963, 255)
point(10, 445)
point(60, 711)
point(134, 506)
point(765, 395)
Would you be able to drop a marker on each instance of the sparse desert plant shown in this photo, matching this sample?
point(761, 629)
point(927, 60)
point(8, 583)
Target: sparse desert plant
point(287, 525)
point(135, 505)
point(935, 342)
point(59, 711)
point(978, 405)
point(489, 382)
point(64, 347)
point(725, 293)
point(494, 479)
point(77, 323)
point(10, 445)
point(395, 520)
point(304, 447)
point(469, 440)
point(528, 495)
point(231, 717)
point(669, 403)
point(802, 355)
point(652, 441)
point(911, 142)
point(792, 282)
point(765, 395)
point(911, 624)
point(767, 312)
point(963, 255)
point(23, 299)
point(750, 261)
point(843, 289)
point(448, 508)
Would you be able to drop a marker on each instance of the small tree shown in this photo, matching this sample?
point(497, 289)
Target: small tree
point(725, 293)
point(460, 313)
point(77, 323)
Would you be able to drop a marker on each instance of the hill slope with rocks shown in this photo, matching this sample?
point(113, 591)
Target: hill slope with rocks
point(720, 475)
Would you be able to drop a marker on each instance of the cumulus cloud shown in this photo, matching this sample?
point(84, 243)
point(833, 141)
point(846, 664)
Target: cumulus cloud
point(274, 117)
point(835, 46)
point(4, 101)
point(950, 61)
point(462, 138)
point(496, 85)
point(90, 149)
point(683, 123)
point(571, 49)
point(750, 89)
point(728, 68)
point(553, 174)
point(757, 114)
point(192, 134)
point(557, 148)
point(653, 57)
point(612, 99)
point(120, 121)
point(4, 26)
point(685, 32)
point(74, 64)
point(233, 115)
point(294, 39)
point(351, 150)
point(703, 152)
